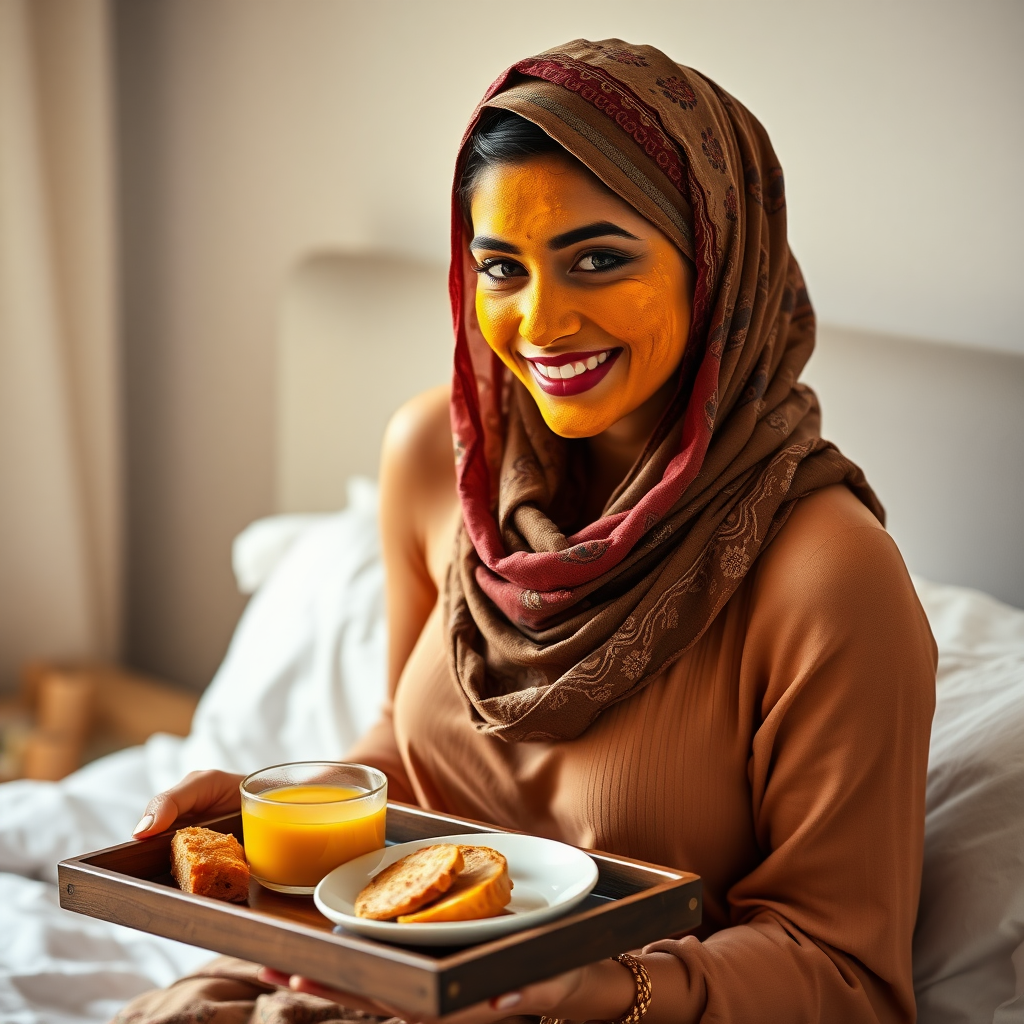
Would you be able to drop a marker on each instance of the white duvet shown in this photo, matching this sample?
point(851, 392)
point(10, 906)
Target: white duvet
point(304, 676)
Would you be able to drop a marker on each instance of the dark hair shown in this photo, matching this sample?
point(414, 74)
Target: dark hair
point(501, 137)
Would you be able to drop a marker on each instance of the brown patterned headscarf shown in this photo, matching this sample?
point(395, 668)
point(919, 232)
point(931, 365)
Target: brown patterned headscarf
point(548, 630)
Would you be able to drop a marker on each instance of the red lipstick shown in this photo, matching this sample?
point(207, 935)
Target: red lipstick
point(588, 370)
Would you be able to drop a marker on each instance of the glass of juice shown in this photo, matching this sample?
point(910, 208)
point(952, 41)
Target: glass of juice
point(301, 820)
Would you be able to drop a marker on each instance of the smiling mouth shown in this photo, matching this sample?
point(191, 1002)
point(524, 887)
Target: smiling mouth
point(572, 373)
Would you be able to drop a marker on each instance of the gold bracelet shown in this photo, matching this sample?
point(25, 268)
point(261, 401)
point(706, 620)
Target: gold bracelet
point(642, 1002)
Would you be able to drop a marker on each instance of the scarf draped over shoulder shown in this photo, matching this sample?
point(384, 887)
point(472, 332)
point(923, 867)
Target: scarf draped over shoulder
point(547, 630)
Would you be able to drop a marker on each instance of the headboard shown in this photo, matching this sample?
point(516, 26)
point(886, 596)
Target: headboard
point(938, 428)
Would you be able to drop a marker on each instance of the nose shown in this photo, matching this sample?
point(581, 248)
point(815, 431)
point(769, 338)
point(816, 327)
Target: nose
point(547, 312)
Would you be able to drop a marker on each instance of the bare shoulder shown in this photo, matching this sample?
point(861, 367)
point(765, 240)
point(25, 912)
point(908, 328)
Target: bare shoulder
point(419, 434)
point(418, 488)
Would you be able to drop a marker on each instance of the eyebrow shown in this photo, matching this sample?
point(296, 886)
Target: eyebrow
point(496, 244)
point(597, 230)
point(600, 229)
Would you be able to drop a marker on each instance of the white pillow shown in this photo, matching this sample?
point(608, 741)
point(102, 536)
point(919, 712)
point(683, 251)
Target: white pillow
point(969, 941)
point(257, 550)
point(305, 673)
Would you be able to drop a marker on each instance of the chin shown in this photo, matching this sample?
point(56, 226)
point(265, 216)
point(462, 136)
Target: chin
point(574, 423)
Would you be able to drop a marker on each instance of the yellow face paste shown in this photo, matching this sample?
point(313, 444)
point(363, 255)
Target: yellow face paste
point(571, 279)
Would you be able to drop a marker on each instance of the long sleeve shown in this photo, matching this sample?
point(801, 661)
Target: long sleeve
point(838, 671)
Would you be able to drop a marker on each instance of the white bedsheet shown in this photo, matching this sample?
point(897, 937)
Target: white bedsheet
point(304, 675)
point(63, 968)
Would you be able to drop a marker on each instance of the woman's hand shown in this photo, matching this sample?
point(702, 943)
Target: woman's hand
point(210, 793)
point(601, 991)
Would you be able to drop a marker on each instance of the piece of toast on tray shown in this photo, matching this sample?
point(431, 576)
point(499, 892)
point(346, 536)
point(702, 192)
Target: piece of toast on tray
point(210, 863)
point(410, 883)
point(481, 889)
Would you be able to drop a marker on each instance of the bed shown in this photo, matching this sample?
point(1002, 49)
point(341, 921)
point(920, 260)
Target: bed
point(939, 429)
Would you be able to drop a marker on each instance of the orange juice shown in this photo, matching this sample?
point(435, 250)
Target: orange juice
point(294, 835)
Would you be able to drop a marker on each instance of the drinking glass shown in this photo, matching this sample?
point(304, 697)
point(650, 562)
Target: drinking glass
point(301, 820)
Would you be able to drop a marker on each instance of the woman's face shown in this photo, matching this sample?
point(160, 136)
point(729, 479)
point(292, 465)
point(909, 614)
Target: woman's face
point(584, 300)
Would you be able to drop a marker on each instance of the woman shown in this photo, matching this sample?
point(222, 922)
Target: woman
point(673, 626)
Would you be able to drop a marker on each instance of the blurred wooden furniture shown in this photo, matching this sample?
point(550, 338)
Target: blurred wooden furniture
point(68, 714)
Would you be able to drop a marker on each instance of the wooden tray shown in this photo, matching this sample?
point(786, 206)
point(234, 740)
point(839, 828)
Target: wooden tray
point(633, 903)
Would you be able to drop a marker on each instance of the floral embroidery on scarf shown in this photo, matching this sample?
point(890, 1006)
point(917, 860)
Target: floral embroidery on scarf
point(599, 694)
point(588, 551)
point(633, 665)
point(755, 389)
point(531, 600)
point(711, 409)
point(775, 191)
point(752, 180)
point(557, 699)
point(678, 91)
point(734, 562)
point(716, 341)
point(738, 325)
point(636, 60)
point(525, 466)
point(712, 150)
point(662, 533)
point(732, 204)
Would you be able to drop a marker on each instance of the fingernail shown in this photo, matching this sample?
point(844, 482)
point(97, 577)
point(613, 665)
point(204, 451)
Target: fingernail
point(146, 823)
point(507, 1001)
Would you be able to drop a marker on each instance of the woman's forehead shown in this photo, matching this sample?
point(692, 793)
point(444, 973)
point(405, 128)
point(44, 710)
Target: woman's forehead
point(544, 193)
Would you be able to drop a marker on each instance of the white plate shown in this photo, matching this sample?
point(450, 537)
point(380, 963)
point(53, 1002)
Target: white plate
point(548, 879)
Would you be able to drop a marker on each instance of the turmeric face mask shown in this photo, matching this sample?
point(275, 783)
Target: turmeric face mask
point(584, 300)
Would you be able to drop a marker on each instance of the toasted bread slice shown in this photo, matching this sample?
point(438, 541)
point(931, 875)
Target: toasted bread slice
point(209, 863)
point(411, 882)
point(481, 889)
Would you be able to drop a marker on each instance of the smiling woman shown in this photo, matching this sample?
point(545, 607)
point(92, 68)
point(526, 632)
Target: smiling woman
point(580, 296)
point(594, 307)
point(671, 624)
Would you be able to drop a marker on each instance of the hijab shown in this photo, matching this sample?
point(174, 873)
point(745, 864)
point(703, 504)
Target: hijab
point(547, 629)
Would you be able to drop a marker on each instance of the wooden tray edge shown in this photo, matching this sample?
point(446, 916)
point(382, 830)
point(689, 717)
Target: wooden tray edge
point(424, 984)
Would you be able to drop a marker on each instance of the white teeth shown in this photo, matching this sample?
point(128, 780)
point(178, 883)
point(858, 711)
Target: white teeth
point(569, 370)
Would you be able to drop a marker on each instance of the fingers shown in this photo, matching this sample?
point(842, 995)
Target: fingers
point(271, 977)
point(562, 993)
point(297, 983)
point(161, 812)
point(209, 792)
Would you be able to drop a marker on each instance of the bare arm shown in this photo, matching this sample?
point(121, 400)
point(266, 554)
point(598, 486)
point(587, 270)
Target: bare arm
point(418, 514)
point(417, 497)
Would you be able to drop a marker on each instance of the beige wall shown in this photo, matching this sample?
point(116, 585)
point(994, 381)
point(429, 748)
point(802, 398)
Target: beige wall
point(257, 131)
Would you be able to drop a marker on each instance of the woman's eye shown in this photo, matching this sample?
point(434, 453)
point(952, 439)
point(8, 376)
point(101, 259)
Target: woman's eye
point(500, 270)
point(597, 261)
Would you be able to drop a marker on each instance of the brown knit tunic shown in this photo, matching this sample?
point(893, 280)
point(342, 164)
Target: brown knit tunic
point(782, 758)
